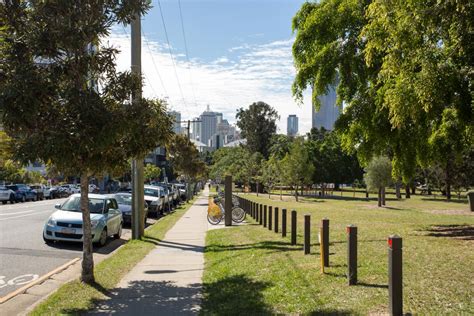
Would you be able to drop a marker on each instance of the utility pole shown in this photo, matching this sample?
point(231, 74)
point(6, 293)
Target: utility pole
point(137, 162)
point(189, 126)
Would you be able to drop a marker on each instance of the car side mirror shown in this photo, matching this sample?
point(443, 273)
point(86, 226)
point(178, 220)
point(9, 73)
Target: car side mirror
point(58, 206)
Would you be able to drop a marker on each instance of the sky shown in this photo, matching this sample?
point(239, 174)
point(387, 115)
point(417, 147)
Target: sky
point(223, 53)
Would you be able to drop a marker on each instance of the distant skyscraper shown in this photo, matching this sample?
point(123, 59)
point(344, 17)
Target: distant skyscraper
point(209, 121)
point(195, 132)
point(292, 125)
point(176, 121)
point(328, 111)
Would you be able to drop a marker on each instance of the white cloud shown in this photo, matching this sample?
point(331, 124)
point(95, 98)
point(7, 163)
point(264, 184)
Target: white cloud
point(258, 73)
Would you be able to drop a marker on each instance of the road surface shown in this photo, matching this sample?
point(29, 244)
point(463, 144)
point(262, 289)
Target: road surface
point(24, 256)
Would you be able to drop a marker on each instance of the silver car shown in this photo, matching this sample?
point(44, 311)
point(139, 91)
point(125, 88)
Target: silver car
point(66, 223)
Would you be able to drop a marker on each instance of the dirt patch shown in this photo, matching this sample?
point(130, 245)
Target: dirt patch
point(450, 212)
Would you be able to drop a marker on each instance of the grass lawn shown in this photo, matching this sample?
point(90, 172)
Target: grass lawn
point(252, 270)
point(76, 298)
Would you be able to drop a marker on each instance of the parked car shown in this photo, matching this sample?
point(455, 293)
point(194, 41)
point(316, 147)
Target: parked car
point(23, 192)
point(40, 190)
point(93, 188)
point(66, 223)
point(154, 197)
point(166, 194)
point(71, 188)
point(124, 201)
point(7, 195)
point(58, 192)
point(182, 190)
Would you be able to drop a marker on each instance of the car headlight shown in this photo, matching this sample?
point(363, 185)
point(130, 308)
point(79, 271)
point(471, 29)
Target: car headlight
point(94, 224)
point(51, 222)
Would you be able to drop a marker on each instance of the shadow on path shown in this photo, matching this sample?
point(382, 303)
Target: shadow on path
point(148, 298)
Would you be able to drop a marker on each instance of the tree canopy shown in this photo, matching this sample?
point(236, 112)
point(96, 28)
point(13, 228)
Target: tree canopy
point(257, 125)
point(402, 69)
point(63, 101)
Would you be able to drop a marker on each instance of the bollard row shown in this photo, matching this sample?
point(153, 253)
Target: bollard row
point(269, 217)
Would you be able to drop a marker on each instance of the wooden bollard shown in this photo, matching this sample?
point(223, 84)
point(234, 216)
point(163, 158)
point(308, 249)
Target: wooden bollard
point(307, 234)
point(324, 236)
point(293, 227)
point(276, 220)
point(270, 217)
point(283, 222)
point(264, 216)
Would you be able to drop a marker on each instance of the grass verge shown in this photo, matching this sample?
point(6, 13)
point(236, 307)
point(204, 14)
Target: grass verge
point(252, 270)
point(76, 297)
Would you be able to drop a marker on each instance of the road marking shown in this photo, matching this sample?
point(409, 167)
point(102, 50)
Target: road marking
point(17, 213)
point(13, 217)
point(37, 281)
point(19, 280)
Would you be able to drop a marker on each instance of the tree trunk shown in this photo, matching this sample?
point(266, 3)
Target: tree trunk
point(296, 193)
point(397, 190)
point(281, 192)
point(87, 275)
point(383, 196)
point(302, 188)
point(407, 191)
point(379, 198)
point(257, 188)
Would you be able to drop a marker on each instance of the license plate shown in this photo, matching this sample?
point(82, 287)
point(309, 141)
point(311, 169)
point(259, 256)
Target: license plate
point(68, 231)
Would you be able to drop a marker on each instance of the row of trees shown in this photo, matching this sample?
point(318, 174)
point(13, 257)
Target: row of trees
point(294, 162)
point(403, 70)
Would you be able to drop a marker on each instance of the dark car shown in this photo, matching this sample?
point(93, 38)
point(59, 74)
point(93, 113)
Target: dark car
point(124, 201)
point(23, 192)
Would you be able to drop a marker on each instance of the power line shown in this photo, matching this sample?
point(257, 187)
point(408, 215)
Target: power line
point(171, 54)
point(153, 61)
point(186, 50)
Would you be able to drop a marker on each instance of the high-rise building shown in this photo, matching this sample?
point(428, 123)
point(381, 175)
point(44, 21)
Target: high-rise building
point(328, 112)
point(209, 122)
point(195, 126)
point(176, 121)
point(292, 125)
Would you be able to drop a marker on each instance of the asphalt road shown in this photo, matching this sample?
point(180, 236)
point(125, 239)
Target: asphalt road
point(24, 256)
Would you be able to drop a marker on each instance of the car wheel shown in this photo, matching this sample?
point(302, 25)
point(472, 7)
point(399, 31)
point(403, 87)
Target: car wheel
point(23, 199)
point(12, 199)
point(119, 232)
point(4, 202)
point(103, 237)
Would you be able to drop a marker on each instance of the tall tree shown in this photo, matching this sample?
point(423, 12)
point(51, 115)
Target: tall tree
point(297, 167)
point(396, 94)
point(62, 98)
point(280, 145)
point(184, 157)
point(151, 172)
point(257, 125)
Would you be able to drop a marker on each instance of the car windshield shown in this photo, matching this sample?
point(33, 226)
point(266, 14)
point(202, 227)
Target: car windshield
point(123, 199)
point(151, 192)
point(73, 204)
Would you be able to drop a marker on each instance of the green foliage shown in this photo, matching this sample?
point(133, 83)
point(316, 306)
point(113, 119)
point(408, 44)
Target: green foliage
point(257, 125)
point(332, 163)
point(399, 66)
point(296, 165)
point(280, 145)
point(272, 172)
point(378, 173)
point(185, 158)
point(151, 172)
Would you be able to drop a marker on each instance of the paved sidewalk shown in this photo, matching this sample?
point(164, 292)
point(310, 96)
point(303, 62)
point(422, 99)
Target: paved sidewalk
point(168, 281)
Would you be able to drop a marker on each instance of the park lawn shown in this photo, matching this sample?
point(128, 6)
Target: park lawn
point(75, 297)
point(250, 269)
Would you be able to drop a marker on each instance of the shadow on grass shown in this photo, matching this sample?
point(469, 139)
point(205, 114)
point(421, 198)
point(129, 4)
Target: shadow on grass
point(378, 286)
point(270, 245)
point(463, 232)
point(235, 295)
point(146, 298)
point(443, 199)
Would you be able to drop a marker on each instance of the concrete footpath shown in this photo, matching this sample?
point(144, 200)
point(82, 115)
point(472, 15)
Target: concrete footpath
point(168, 281)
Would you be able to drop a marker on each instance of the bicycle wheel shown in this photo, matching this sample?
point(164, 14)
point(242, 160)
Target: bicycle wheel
point(238, 214)
point(214, 219)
